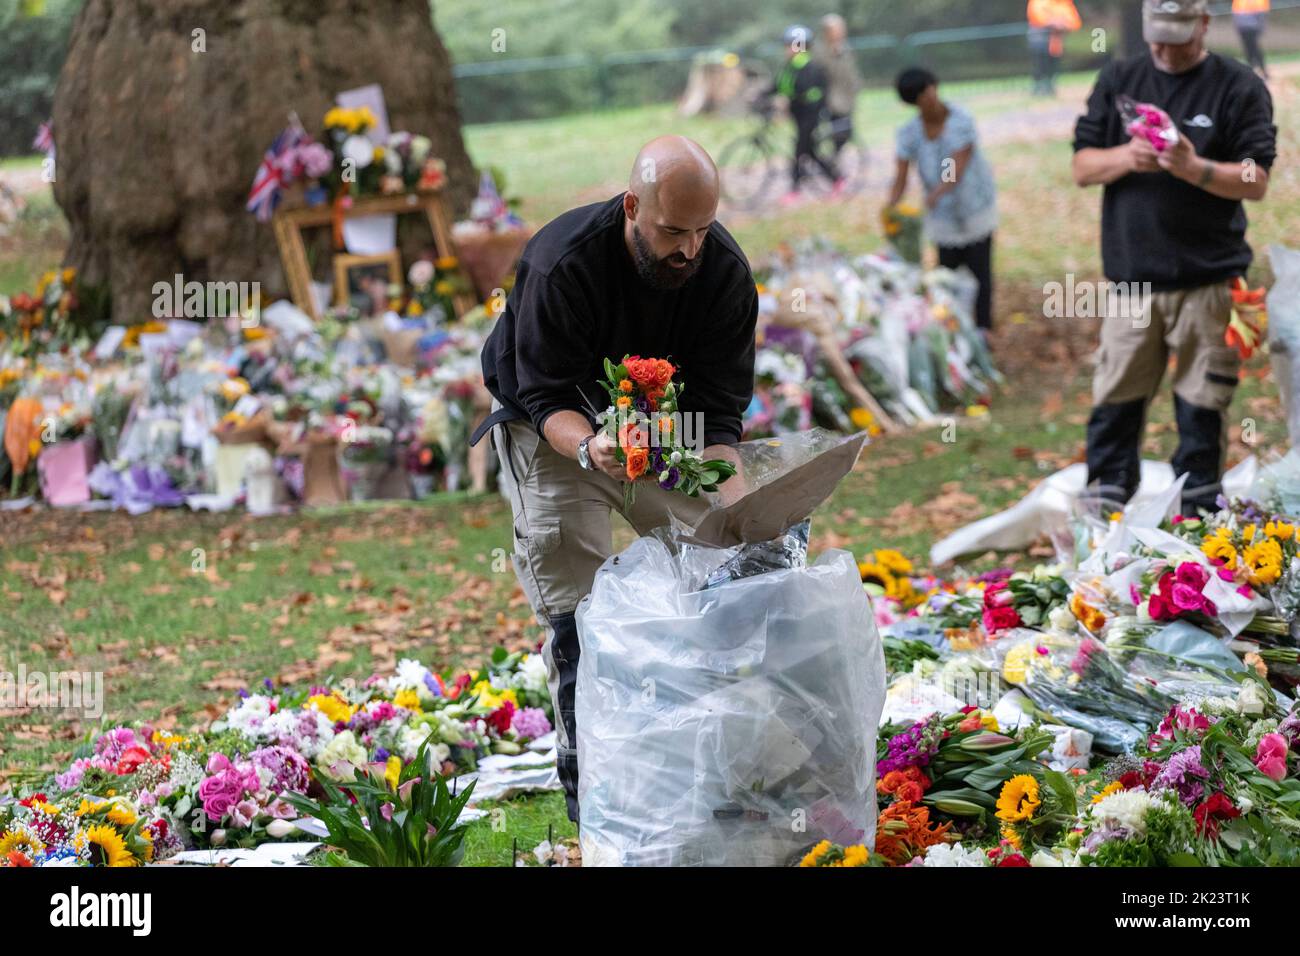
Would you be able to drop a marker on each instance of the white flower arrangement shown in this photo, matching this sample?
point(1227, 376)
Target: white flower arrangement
point(954, 855)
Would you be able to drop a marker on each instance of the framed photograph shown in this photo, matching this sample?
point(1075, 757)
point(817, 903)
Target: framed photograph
point(367, 277)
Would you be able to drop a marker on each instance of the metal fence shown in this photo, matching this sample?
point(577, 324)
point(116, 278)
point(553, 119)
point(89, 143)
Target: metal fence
point(516, 89)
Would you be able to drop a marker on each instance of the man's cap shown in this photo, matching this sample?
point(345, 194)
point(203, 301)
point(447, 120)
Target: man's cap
point(1171, 21)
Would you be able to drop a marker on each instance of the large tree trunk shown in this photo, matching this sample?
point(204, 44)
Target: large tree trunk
point(158, 144)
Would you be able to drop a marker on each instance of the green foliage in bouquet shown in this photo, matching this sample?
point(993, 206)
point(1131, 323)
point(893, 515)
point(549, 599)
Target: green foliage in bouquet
point(412, 823)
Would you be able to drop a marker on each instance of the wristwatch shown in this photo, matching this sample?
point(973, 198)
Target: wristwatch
point(584, 456)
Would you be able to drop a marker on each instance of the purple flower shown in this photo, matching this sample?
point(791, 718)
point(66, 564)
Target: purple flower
point(529, 723)
point(116, 742)
point(1183, 773)
point(289, 771)
point(913, 747)
point(669, 481)
point(381, 755)
point(432, 685)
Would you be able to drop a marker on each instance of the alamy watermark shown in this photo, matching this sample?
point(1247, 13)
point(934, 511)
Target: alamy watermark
point(660, 429)
point(81, 691)
point(179, 299)
point(1098, 300)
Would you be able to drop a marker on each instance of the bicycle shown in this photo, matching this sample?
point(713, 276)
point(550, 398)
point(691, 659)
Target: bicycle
point(753, 164)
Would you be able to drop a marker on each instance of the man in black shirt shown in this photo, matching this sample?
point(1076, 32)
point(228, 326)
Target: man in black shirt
point(1173, 227)
point(652, 273)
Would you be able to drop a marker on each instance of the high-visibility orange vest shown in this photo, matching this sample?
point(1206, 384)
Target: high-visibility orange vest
point(1057, 15)
point(1250, 6)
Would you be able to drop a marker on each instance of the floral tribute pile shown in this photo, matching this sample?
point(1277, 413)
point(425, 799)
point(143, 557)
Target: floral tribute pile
point(1132, 706)
point(137, 794)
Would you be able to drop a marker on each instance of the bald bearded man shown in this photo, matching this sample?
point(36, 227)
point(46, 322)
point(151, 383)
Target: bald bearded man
point(650, 272)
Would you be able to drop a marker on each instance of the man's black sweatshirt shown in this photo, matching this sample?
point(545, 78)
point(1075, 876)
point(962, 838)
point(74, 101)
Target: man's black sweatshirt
point(578, 300)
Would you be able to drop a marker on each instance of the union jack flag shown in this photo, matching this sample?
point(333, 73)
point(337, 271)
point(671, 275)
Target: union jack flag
point(265, 192)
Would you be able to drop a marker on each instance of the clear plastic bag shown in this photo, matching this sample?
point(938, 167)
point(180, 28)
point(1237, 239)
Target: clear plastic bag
point(733, 726)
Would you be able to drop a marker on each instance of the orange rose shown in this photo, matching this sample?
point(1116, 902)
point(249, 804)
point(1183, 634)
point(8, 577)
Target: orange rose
point(663, 372)
point(641, 371)
point(638, 459)
point(910, 792)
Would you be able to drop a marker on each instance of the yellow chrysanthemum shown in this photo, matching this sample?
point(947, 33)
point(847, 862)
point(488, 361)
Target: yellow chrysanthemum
point(332, 706)
point(409, 699)
point(1107, 790)
point(1019, 799)
point(816, 853)
point(12, 840)
point(112, 847)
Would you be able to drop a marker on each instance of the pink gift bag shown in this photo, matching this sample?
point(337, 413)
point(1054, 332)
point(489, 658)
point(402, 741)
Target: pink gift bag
point(63, 468)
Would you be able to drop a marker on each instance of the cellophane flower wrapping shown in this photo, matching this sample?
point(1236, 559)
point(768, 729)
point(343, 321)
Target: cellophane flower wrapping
point(727, 719)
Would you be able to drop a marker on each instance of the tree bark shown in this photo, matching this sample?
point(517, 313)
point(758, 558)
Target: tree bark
point(158, 142)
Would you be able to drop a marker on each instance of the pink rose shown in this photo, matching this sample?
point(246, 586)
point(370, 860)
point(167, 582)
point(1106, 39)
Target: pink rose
point(1000, 618)
point(1187, 598)
point(217, 806)
point(1270, 756)
point(1193, 575)
point(1159, 610)
point(217, 763)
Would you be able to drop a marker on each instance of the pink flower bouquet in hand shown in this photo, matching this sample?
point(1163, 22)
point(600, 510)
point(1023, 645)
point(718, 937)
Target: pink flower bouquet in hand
point(1150, 122)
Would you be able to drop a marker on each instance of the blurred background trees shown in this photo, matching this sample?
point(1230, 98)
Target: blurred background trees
point(593, 50)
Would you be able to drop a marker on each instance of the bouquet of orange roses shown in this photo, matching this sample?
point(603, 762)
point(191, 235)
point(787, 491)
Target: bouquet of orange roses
point(644, 419)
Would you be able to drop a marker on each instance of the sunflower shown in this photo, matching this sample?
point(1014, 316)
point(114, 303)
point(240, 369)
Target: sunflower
point(111, 846)
point(1264, 561)
point(122, 816)
point(1218, 546)
point(1012, 837)
point(19, 841)
point(88, 807)
point(1019, 799)
point(1280, 530)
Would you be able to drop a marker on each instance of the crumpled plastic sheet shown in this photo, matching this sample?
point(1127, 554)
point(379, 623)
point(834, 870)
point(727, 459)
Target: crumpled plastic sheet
point(733, 726)
point(1049, 507)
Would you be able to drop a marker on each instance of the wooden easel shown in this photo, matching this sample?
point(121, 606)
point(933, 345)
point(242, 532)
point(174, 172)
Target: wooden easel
point(289, 223)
